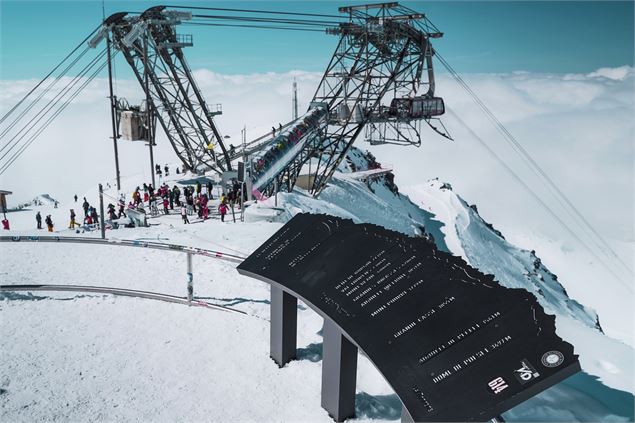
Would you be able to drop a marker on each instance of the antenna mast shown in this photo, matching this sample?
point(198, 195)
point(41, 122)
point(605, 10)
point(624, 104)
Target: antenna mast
point(295, 99)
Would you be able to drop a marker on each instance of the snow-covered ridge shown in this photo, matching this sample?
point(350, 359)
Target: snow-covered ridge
point(456, 227)
point(40, 200)
point(485, 248)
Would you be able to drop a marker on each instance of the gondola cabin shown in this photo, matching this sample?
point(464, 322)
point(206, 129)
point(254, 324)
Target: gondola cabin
point(417, 107)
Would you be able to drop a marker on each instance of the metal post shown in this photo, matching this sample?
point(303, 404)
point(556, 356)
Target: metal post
point(148, 107)
point(190, 278)
point(242, 200)
point(101, 212)
point(309, 184)
point(247, 162)
point(339, 373)
point(275, 190)
point(284, 323)
point(113, 111)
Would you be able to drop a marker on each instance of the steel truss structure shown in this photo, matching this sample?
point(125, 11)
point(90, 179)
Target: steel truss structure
point(380, 79)
point(384, 55)
point(154, 51)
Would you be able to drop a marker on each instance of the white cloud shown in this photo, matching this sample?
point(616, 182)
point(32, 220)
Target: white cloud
point(579, 127)
point(619, 73)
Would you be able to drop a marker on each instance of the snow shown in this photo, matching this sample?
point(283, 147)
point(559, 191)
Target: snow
point(72, 356)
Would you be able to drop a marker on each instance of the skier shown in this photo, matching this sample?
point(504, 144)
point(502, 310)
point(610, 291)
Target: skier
point(49, 223)
point(223, 211)
point(205, 209)
point(165, 205)
point(111, 212)
point(94, 216)
point(198, 187)
point(72, 223)
point(75, 198)
point(184, 214)
point(122, 206)
point(167, 170)
point(200, 207)
point(85, 205)
point(38, 219)
point(5, 224)
point(176, 193)
point(190, 204)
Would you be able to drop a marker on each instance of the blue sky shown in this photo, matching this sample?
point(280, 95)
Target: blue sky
point(491, 36)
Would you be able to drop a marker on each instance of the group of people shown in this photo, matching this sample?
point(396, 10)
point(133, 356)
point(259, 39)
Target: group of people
point(90, 217)
point(193, 199)
point(286, 140)
point(165, 171)
point(48, 221)
point(121, 206)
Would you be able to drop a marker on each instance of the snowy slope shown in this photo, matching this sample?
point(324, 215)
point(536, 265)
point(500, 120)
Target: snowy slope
point(132, 359)
point(456, 227)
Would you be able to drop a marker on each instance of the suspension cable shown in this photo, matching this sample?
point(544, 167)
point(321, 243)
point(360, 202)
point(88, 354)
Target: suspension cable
point(252, 26)
point(312, 22)
point(535, 167)
point(49, 74)
point(42, 94)
point(272, 12)
point(46, 124)
point(44, 109)
point(68, 88)
point(50, 105)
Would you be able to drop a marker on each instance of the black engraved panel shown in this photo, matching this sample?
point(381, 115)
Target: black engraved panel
point(453, 343)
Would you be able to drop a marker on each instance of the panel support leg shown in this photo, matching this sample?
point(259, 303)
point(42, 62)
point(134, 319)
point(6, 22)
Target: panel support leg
point(339, 373)
point(284, 323)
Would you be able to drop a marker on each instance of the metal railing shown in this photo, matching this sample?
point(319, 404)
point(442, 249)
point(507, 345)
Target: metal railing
point(127, 243)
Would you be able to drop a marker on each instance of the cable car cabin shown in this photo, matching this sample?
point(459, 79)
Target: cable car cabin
point(132, 126)
point(417, 107)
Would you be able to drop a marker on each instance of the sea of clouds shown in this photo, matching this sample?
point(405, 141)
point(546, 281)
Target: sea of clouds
point(579, 127)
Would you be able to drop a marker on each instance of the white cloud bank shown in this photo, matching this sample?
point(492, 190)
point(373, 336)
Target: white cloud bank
point(579, 127)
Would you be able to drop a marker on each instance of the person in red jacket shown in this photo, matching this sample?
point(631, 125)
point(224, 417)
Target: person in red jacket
point(223, 211)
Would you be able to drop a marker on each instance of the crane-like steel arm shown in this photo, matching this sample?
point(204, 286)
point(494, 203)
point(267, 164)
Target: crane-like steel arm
point(151, 46)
